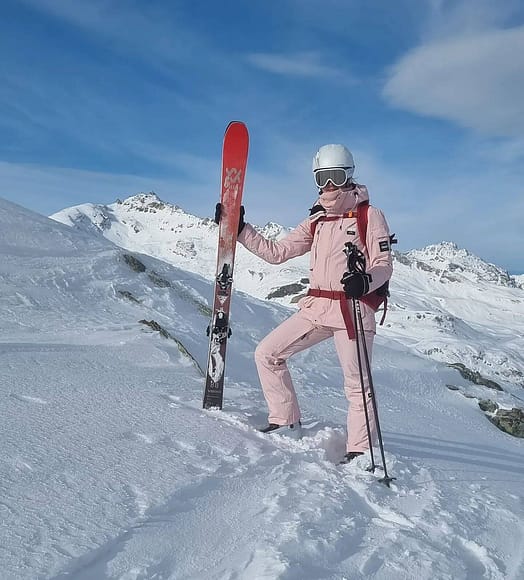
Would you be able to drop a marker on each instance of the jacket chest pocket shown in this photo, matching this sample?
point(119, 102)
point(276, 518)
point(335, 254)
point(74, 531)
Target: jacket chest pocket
point(350, 228)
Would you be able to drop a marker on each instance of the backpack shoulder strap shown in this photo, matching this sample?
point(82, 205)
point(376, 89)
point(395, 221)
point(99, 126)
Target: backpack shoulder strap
point(362, 220)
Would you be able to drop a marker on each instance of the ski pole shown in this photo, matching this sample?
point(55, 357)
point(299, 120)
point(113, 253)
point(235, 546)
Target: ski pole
point(356, 262)
point(386, 479)
point(363, 389)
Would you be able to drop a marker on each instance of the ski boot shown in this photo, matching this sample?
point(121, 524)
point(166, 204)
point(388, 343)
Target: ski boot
point(294, 430)
point(348, 457)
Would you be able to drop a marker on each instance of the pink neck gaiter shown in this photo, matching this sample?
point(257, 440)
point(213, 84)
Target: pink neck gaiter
point(329, 199)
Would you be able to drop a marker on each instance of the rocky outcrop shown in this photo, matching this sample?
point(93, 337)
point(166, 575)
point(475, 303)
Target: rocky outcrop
point(475, 377)
point(134, 263)
point(158, 280)
point(163, 332)
point(287, 290)
point(128, 296)
point(510, 421)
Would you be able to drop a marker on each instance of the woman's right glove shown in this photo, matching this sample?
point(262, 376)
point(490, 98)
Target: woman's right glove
point(356, 284)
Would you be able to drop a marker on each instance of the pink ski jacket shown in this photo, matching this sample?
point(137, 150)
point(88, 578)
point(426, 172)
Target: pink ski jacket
point(328, 260)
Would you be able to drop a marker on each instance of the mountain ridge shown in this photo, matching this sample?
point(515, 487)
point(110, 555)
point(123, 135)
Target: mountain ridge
point(445, 255)
point(449, 304)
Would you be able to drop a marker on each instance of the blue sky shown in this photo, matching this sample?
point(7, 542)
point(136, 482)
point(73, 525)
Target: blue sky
point(102, 99)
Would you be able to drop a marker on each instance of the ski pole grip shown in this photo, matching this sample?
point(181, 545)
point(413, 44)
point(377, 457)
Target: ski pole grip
point(356, 261)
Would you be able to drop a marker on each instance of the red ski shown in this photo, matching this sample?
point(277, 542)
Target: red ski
point(234, 161)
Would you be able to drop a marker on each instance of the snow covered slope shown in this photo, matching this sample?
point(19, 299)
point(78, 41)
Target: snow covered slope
point(459, 312)
point(446, 304)
point(111, 469)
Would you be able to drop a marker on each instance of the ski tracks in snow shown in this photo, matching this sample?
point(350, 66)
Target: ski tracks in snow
point(268, 507)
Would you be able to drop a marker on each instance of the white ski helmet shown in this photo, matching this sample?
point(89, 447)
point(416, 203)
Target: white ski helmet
point(333, 163)
point(334, 157)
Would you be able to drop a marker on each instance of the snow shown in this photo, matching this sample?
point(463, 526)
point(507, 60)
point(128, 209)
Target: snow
point(111, 469)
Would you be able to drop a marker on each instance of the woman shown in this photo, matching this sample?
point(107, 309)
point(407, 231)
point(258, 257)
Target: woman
point(323, 313)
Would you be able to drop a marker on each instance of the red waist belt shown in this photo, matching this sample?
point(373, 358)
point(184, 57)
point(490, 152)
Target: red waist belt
point(339, 295)
point(344, 308)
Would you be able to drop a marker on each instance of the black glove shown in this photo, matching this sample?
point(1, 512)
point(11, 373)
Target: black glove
point(241, 222)
point(317, 211)
point(356, 284)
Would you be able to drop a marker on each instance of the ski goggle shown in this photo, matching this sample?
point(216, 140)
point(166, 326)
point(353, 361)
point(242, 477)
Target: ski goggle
point(338, 176)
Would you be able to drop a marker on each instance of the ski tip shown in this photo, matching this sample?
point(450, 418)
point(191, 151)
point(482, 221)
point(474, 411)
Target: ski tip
point(235, 123)
point(237, 136)
point(237, 126)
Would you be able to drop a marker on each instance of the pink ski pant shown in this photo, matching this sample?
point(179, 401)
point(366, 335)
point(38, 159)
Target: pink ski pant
point(294, 335)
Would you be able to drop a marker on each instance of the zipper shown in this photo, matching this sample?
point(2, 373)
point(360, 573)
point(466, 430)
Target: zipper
point(315, 246)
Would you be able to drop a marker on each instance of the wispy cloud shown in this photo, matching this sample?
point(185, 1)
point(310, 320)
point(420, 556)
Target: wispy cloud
point(476, 81)
point(302, 64)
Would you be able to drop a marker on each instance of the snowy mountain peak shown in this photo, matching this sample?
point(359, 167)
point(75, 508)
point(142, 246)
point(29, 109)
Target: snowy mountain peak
point(138, 214)
point(443, 251)
point(273, 231)
point(457, 264)
point(146, 202)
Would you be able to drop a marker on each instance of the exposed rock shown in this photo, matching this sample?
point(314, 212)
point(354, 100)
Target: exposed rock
point(488, 406)
point(434, 350)
point(475, 377)
point(134, 263)
point(163, 332)
point(510, 421)
point(158, 280)
point(145, 202)
point(185, 248)
point(288, 290)
point(155, 326)
point(190, 297)
point(126, 294)
point(401, 258)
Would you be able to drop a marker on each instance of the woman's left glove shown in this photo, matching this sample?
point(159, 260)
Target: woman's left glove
point(316, 212)
point(241, 222)
point(356, 284)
